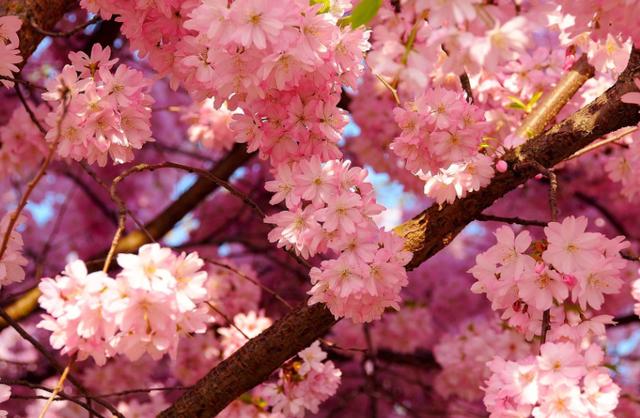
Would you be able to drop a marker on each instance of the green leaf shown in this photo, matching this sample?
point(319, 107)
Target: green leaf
point(534, 99)
point(326, 5)
point(516, 104)
point(364, 12)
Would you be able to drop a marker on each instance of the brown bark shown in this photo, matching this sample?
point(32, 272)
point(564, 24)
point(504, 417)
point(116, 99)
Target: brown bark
point(425, 235)
point(44, 13)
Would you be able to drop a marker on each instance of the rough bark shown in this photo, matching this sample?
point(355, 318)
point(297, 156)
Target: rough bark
point(44, 13)
point(425, 235)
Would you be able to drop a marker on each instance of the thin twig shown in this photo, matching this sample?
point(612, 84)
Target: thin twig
point(145, 390)
point(22, 81)
point(229, 320)
point(598, 144)
point(202, 173)
point(553, 204)
point(33, 183)
point(32, 115)
point(553, 186)
point(613, 220)
point(107, 212)
point(58, 388)
point(66, 33)
point(251, 280)
point(372, 386)
point(135, 219)
point(60, 395)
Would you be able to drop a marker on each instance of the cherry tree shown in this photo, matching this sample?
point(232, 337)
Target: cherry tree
point(330, 208)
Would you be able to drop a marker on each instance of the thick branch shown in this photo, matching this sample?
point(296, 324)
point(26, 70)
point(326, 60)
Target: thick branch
point(426, 234)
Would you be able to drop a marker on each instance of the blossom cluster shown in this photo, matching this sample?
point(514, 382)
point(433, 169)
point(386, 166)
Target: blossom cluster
point(602, 18)
point(232, 289)
point(372, 111)
point(440, 142)
point(524, 278)
point(99, 113)
point(210, 126)
point(23, 145)
point(623, 167)
point(244, 326)
point(157, 297)
point(405, 331)
point(463, 355)
point(12, 262)
point(9, 52)
point(329, 209)
point(563, 381)
point(303, 384)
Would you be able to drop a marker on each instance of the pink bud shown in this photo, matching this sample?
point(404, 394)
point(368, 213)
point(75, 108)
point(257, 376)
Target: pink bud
point(538, 176)
point(539, 267)
point(569, 279)
point(501, 166)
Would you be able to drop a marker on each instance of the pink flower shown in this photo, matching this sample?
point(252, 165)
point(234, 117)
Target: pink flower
point(509, 252)
point(501, 43)
point(313, 181)
point(541, 289)
point(251, 325)
point(89, 66)
point(9, 27)
point(343, 276)
point(561, 401)
point(9, 43)
point(312, 358)
point(295, 229)
point(570, 247)
point(560, 362)
point(9, 57)
point(149, 269)
point(12, 262)
point(600, 394)
point(255, 22)
point(342, 213)
point(594, 282)
point(283, 187)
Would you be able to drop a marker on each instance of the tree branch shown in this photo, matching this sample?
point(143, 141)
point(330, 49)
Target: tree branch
point(425, 235)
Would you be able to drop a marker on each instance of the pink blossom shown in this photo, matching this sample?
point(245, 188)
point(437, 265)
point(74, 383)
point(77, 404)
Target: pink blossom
point(559, 362)
point(569, 245)
point(255, 22)
point(244, 326)
point(541, 289)
point(12, 262)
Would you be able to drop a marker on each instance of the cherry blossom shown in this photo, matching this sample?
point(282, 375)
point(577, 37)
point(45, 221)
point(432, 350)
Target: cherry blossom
point(9, 52)
point(12, 262)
